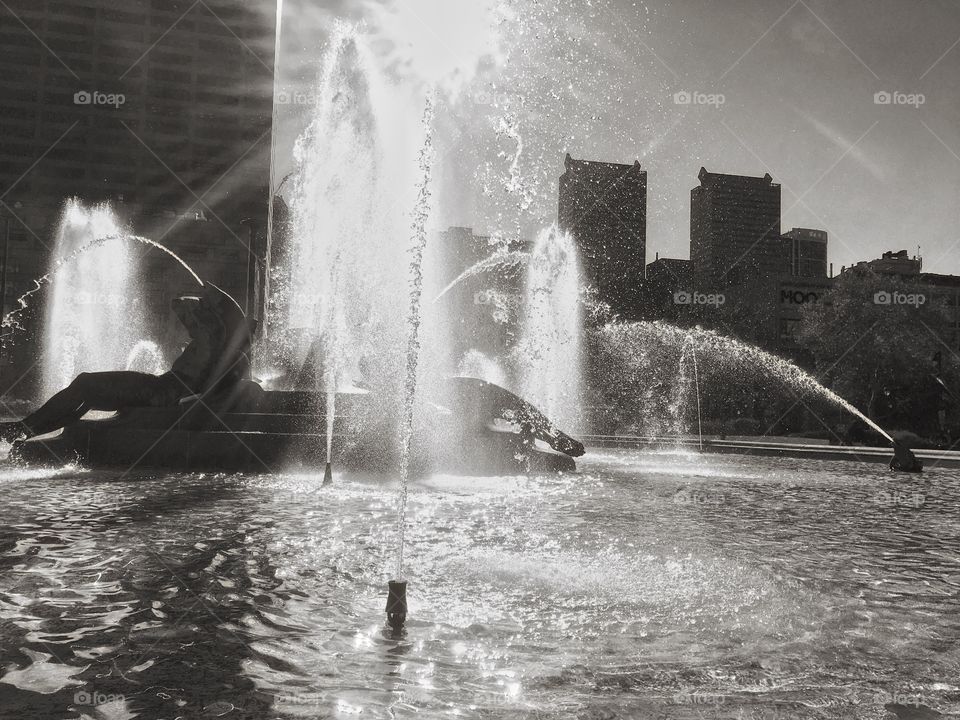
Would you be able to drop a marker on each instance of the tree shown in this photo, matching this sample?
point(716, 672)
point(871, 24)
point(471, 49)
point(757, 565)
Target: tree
point(874, 339)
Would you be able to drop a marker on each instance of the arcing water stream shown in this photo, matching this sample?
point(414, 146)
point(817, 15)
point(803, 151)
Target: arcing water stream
point(633, 341)
point(95, 313)
point(11, 319)
point(509, 258)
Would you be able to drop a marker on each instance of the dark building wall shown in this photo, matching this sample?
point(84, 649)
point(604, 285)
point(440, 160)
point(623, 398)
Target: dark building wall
point(735, 230)
point(665, 276)
point(196, 99)
point(604, 206)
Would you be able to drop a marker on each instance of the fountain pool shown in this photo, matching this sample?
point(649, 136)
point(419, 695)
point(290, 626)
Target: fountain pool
point(655, 585)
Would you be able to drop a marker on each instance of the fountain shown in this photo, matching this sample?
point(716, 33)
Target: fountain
point(500, 259)
point(94, 313)
point(533, 589)
point(476, 364)
point(686, 387)
point(548, 354)
point(334, 310)
point(11, 321)
point(630, 341)
point(146, 356)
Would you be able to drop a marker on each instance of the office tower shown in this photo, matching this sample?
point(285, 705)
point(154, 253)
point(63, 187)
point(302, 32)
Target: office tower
point(604, 206)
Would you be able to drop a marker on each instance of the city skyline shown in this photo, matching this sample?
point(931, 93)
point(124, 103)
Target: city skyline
point(798, 82)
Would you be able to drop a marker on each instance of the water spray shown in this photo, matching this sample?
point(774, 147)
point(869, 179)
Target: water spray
point(696, 380)
point(636, 335)
point(11, 319)
point(397, 589)
point(331, 409)
point(510, 258)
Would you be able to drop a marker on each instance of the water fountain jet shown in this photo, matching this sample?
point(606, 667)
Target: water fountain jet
point(549, 350)
point(631, 340)
point(418, 246)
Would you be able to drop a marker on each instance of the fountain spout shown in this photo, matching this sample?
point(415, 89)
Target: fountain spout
point(397, 604)
point(904, 460)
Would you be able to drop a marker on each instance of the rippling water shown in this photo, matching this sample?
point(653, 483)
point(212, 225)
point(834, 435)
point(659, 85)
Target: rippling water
point(649, 585)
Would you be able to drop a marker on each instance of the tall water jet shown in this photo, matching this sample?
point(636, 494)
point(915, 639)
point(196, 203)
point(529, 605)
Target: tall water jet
point(696, 388)
point(94, 313)
point(686, 392)
point(549, 353)
point(418, 246)
point(336, 282)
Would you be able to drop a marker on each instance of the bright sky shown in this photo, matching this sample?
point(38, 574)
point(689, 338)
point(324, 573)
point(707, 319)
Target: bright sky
point(597, 79)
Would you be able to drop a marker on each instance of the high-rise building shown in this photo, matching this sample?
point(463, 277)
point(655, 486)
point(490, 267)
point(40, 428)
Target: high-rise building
point(808, 252)
point(161, 107)
point(604, 206)
point(735, 230)
point(151, 101)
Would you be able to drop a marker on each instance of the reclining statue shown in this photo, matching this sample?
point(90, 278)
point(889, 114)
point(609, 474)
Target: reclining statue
point(215, 359)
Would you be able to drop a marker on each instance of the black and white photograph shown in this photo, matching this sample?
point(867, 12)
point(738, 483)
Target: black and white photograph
point(479, 359)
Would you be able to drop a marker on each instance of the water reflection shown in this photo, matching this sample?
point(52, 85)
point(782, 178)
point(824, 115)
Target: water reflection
point(664, 585)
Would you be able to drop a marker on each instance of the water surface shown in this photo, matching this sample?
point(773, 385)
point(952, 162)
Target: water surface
point(653, 585)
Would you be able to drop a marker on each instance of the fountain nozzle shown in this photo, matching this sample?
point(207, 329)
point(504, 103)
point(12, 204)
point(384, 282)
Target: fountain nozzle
point(904, 460)
point(328, 475)
point(397, 604)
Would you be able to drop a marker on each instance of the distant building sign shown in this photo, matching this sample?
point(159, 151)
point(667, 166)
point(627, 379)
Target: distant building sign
point(798, 296)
